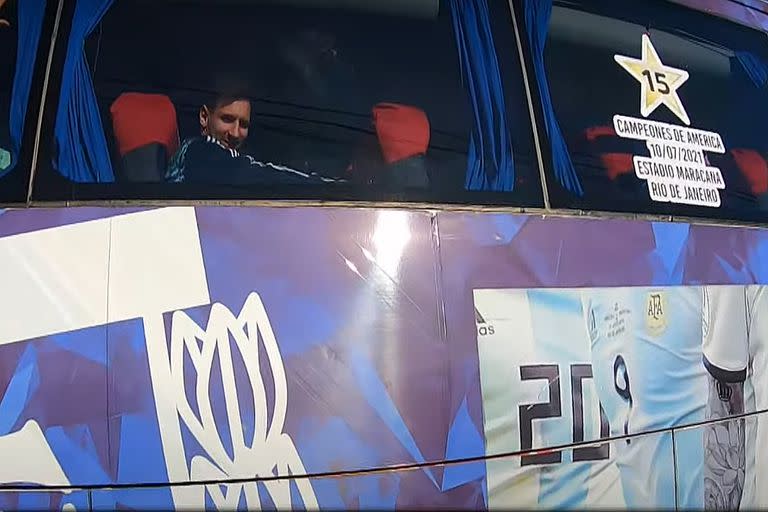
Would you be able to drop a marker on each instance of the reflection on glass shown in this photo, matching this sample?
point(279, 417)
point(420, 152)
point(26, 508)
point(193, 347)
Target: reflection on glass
point(390, 237)
point(657, 116)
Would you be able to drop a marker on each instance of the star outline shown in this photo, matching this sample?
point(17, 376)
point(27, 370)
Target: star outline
point(665, 76)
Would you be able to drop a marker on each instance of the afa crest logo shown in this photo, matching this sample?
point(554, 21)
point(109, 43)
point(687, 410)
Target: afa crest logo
point(656, 313)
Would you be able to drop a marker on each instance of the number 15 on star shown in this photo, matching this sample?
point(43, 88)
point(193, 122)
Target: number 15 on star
point(658, 83)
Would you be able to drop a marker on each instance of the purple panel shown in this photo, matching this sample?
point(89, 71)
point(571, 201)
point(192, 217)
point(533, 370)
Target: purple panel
point(58, 384)
point(13, 222)
point(329, 304)
point(753, 13)
point(53, 387)
point(352, 298)
point(356, 299)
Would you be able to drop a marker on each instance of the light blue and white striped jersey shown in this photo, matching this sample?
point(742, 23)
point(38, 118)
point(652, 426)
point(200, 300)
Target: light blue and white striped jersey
point(538, 392)
point(646, 354)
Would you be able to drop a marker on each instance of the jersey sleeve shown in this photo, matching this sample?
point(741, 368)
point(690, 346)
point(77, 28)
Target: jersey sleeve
point(725, 332)
point(206, 161)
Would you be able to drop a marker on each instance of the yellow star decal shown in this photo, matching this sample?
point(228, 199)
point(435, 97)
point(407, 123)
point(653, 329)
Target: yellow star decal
point(658, 83)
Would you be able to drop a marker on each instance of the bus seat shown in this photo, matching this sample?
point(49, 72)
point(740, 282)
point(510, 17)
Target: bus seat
point(606, 144)
point(403, 133)
point(146, 134)
point(753, 167)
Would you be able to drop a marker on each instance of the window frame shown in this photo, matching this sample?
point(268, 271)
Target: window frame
point(49, 185)
point(563, 201)
point(15, 186)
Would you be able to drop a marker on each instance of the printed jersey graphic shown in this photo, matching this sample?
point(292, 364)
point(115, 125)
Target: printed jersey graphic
point(735, 337)
point(646, 356)
point(538, 391)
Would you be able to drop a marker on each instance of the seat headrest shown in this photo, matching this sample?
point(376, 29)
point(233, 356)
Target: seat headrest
point(614, 153)
point(403, 131)
point(753, 167)
point(139, 119)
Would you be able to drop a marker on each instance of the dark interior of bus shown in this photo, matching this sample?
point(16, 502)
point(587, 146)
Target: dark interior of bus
point(321, 71)
point(8, 42)
point(719, 96)
point(316, 74)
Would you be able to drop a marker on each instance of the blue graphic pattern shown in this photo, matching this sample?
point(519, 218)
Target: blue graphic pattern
point(381, 364)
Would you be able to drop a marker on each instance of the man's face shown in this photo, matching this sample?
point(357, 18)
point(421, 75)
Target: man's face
point(228, 123)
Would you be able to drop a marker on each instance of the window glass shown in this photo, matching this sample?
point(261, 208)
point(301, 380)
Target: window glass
point(651, 107)
point(20, 27)
point(284, 98)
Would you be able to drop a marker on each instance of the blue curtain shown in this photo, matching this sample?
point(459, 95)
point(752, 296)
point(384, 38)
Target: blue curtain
point(30, 24)
point(537, 13)
point(83, 155)
point(490, 164)
point(755, 68)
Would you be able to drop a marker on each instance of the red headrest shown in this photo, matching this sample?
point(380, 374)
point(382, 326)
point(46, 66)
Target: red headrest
point(754, 168)
point(593, 132)
point(617, 164)
point(604, 141)
point(140, 119)
point(403, 131)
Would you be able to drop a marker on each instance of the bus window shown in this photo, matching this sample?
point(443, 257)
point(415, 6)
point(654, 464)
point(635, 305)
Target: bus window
point(20, 26)
point(293, 98)
point(651, 107)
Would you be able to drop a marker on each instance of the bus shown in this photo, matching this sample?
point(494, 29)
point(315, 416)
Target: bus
point(380, 254)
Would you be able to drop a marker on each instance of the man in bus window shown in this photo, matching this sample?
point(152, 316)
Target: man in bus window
point(214, 157)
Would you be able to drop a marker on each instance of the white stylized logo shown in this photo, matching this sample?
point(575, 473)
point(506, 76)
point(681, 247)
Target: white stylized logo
point(270, 452)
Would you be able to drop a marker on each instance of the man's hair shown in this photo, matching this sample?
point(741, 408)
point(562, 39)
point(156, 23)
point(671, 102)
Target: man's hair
point(226, 89)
